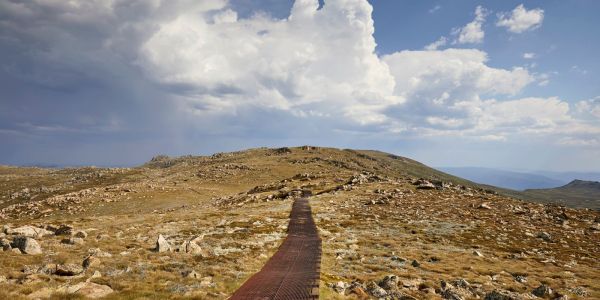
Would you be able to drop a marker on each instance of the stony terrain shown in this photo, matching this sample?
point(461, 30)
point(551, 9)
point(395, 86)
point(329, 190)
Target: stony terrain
point(198, 227)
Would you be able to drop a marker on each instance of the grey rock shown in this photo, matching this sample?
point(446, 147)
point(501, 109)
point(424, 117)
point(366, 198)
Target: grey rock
point(68, 270)
point(545, 236)
point(29, 231)
point(542, 291)
point(162, 245)
point(27, 245)
point(64, 230)
point(375, 290)
point(80, 234)
point(502, 295)
point(90, 290)
point(389, 283)
point(5, 245)
point(73, 241)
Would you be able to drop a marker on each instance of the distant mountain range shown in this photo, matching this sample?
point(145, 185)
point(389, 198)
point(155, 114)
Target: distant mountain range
point(519, 181)
point(505, 179)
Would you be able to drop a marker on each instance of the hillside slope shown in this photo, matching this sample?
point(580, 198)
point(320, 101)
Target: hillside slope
point(196, 227)
point(577, 193)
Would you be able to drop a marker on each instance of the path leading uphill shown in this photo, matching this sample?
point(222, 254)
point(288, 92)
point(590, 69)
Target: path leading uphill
point(293, 271)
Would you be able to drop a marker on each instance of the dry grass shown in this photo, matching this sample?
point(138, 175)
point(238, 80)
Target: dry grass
point(207, 196)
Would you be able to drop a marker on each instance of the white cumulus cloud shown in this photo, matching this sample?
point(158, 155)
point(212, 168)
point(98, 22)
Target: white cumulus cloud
point(521, 19)
point(437, 44)
point(314, 72)
point(472, 33)
point(529, 55)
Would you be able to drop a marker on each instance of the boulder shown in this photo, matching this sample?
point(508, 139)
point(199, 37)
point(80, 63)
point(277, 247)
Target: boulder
point(29, 231)
point(68, 270)
point(64, 230)
point(192, 247)
point(5, 245)
point(27, 245)
point(90, 290)
point(97, 252)
point(48, 269)
point(545, 236)
point(375, 290)
point(80, 234)
point(162, 245)
point(542, 291)
point(73, 241)
point(340, 287)
point(389, 283)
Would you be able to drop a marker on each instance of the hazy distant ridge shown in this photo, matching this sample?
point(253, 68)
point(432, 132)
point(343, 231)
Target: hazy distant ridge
point(505, 179)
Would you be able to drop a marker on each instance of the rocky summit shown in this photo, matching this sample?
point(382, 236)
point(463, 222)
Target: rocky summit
point(197, 227)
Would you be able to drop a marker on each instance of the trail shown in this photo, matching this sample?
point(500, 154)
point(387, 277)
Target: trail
point(293, 271)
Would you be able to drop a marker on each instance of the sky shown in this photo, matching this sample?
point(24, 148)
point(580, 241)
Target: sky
point(499, 84)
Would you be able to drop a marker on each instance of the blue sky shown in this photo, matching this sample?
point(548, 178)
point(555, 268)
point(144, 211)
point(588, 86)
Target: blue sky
point(510, 84)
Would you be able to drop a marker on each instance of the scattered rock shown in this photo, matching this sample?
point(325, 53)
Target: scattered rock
point(477, 253)
point(502, 295)
point(579, 291)
point(5, 245)
point(340, 287)
point(412, 283)
point(542, 291)
point(484, 206)
point(162, 245)
point(96, 274)
point(73, 241)
point(90, 290)
point(29, 231)
point(545, 236)
point(375, 290)
point(415, 264)
point(27, 245)
point(423, 184)
point(80, 234)
point(192, 247)
point(191, 274)
point(48, 269)
point(206, 281)
point(389, 283)
point(99, 253)
point(64, 230)
point(68, 270)
point(520, 278)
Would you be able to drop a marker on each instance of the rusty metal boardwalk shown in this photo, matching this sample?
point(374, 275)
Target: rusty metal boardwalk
point(293, 271)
